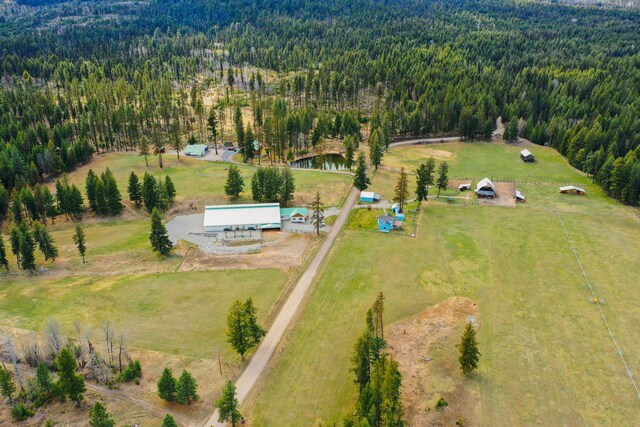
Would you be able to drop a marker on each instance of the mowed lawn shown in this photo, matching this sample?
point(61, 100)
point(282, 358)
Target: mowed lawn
point(547, 358)
point(203, 181)
point(177, 313)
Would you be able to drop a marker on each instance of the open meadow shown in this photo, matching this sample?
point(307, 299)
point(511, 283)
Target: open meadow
point(201, 182)
point(547, 358)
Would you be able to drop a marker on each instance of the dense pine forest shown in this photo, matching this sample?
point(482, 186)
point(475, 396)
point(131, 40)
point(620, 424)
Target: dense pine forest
point(83, 77)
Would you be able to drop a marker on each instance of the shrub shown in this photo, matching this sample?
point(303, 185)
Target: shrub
point(20, 412)
point(132, 372)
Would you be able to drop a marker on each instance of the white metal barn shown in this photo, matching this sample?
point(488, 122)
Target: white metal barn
point(260, 216)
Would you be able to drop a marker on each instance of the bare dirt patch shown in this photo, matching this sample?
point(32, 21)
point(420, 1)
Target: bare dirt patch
point(279, 250)
point(505, 195)
point(425, 347)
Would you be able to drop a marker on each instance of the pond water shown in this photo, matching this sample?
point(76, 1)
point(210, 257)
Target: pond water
point(333, 162)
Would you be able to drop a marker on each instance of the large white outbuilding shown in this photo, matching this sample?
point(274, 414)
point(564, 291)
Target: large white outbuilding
point(260, 216)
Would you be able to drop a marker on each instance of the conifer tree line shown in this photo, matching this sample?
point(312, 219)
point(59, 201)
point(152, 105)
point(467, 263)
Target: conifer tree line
point(397, 69)
point(376, 374)
point(272, 184)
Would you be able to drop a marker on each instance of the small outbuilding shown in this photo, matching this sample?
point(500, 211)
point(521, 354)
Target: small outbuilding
point(196, 150)
point(466, 186)
point(527, 156)
point(485, 188)
point(298, 215)
point(572, 189)
point(385, 223)
point(519, 197)
point(369, 197)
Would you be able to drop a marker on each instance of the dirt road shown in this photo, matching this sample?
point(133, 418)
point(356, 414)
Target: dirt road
point(424, 141)
point(264, 352)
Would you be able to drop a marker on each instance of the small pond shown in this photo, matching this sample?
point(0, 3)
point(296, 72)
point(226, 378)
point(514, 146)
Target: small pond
point(333, 162)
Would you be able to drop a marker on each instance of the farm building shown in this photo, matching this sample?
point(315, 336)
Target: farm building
point(261, 216)
point(572, 189)
point(519, 197)
point(369, 197)
point(527, 156)
point(196, 150)
point(485, 188)
point(293, 214)
point(385, 223)
point(465, 186)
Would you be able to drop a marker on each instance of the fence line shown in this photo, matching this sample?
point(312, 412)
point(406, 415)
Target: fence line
point(597, 302)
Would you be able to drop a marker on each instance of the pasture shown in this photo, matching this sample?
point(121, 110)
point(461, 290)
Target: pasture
point(547, 358)
point(202, 182)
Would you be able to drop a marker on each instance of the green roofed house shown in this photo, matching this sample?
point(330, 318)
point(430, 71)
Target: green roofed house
point(196, 150)
point(261, 216)
point(293, 214)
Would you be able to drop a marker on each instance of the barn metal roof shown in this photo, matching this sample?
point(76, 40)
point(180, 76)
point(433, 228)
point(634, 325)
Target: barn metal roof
point(253, 214)
point(572, 187)
point(486, 182)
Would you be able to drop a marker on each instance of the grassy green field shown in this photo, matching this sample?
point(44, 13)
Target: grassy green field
point(547, 358)
point(203, 181)
point(176, 313)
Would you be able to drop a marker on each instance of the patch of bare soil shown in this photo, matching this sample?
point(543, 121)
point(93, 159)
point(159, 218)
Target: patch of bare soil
point(425, 347)
point(505, 195)
point(280, 250)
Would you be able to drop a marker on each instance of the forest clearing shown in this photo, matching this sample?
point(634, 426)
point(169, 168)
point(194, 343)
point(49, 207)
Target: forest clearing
point(312, 213)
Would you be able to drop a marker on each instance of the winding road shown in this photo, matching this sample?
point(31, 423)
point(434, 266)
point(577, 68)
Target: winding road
point(290, 308)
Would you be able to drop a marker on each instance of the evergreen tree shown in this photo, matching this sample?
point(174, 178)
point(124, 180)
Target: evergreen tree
point(149, 192)
point(69, 383)
point(167, 386)
point(144, 150)
point(45, 241)
point(287, 186)
point(169, 421)
point(239, 126)
point(44, 380)
point(243, 331)
point(317, 217)
point(101, 206)
point(27, 249)
point(74, 201)
point(14, 240)
point(443, 179)
point(360, 180)
point(4, 202)
point(100, 417)
point(212, 124)
point(186, 388)
point(3, 254)
point(90, 188)
point(112, 193)
point(349, 146)
point(235, 183)
point(7, 387)
point(135, 190)
point(421, 183)
point(468, 348)
point(16, 208)
point(228, 405)
point(79, 240)
point(169, 189)
point(159, 239)
point(376, 149)
point(248, 150)
point(402, 189)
